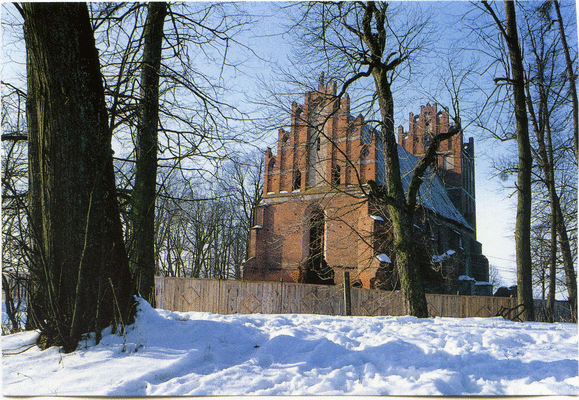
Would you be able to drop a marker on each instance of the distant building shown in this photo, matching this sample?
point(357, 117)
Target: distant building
point(316, 222)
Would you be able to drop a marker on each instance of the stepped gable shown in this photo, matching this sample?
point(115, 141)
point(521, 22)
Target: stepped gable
point(314, 222)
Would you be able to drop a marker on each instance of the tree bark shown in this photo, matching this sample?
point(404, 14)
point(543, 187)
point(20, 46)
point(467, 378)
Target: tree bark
point(558, 225)
point(402, 217)
point(142, 239)
point(523, 221)
point(81, 278)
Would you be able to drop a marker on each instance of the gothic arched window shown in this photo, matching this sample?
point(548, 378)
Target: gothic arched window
point(270, 167)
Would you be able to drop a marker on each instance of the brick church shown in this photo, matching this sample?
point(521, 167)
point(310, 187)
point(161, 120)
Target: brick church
point(316, 219)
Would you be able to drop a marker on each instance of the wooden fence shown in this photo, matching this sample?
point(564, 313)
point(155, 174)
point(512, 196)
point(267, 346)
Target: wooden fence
point(231, 297)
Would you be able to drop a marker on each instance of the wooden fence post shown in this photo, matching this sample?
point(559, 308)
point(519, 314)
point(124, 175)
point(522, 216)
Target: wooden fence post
point(347, 296)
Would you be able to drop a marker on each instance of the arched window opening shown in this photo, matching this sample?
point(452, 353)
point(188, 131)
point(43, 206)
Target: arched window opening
point(415, 140)
point(313, 161)
point(297, 180)
point(270, 167)
point(317, 236)
point(316, 268)
point(298, 116)
point(363, 156)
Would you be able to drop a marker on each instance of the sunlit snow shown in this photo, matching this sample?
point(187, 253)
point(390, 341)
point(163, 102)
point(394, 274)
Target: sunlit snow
point(170, 353)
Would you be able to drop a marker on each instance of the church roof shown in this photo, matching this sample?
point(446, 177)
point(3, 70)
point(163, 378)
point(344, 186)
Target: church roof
point(432, 194)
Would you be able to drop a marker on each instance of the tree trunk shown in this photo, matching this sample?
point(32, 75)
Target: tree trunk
point(401, 212)
point(542, 127)
point(568, 264)
point(142, 239)
point(523, 221)
point(544, 154)
point(402, 217)
point(81, 278)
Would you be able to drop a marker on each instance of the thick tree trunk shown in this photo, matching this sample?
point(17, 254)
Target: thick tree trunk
point(81, 277)
point(401, 215)
point(401, 212)
point(523, 221)
point(142, 239)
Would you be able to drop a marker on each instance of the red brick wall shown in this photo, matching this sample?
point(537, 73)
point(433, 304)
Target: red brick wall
point(281, 245)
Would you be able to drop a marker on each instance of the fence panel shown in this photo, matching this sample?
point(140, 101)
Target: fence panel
point(230, 297)
point(371, 303)
point(289, 302)
point(193, 294)
point(250, 299)
point(272, 297)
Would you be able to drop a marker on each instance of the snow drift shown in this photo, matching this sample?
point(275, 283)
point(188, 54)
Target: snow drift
point(170, 353)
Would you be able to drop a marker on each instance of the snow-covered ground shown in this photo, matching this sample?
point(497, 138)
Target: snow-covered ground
point(169, 353)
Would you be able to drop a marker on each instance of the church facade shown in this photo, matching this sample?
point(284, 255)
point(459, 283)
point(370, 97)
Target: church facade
point(316, 219)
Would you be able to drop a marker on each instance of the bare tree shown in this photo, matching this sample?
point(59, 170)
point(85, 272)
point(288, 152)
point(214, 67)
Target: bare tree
point(204, 234)
point(142, 243)
point(509, 32)
point(194, 126)
point(15, 232)
point(545, 99)
point(242, 180)
point(80, 273)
